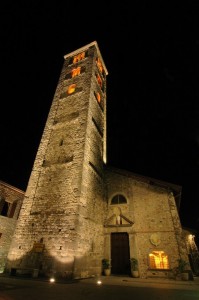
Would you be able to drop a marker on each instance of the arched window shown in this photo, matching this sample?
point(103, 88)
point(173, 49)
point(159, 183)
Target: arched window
point(118, 199)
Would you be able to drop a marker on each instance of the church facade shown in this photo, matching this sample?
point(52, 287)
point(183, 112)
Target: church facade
point(77, 209)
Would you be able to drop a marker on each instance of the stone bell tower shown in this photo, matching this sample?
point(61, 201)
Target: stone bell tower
point(60, 227)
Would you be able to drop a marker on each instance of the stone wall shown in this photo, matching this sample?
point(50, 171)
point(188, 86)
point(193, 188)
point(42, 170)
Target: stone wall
point(12, 198)
point(154, 214)
point(63, 205)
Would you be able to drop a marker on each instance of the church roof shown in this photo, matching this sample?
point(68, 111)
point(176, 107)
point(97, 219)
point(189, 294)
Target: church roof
point(170, 187)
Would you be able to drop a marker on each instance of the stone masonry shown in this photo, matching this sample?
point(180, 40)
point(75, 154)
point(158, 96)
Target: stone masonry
point(10, 204)
point(70, 219)
point(64, 200)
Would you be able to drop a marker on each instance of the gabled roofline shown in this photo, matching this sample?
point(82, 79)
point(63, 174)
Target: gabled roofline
point(11, 187)
point(176, 189)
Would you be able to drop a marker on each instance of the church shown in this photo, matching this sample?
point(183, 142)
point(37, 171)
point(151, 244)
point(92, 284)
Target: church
point(77, 210)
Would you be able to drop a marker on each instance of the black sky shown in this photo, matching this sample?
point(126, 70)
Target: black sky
point(151, 52)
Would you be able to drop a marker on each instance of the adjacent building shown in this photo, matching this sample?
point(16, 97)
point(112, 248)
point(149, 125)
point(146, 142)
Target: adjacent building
point(11, 200)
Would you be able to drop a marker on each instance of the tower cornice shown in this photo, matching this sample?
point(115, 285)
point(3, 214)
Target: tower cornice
point(94, 43)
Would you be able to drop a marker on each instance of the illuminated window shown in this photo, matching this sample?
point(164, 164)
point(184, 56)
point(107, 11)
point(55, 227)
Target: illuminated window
point(71, 89)
point(98, 97)
point(99, 80)
point(118, 199)
point(76, 72)
point(158, 260)
point(99, 64)
point(78, 57)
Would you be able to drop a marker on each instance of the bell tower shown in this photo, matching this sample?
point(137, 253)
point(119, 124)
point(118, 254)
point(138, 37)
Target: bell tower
point(60, 227)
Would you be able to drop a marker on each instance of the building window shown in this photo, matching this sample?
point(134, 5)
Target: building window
point(99, 64)
point(79, 57)
point(99, 80)
point(158, 260)
point(71, 89)
point(7, 209)
point(76, 72)
point(118, 199)
point(98, 97)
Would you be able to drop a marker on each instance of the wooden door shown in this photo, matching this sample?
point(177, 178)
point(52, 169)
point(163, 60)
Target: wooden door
point(120, 257)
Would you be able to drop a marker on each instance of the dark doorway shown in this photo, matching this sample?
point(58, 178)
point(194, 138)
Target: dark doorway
point(120, 257)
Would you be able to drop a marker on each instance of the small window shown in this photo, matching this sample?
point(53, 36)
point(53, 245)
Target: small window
point(5, 209)
point(99, 80)
point(76, 72)
point(78, 57)
point(158, 260)
point(71, 89)
point(99, 64)
point(118, 199)
point(98, 97)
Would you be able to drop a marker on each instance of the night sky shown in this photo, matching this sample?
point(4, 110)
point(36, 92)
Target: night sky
point(151, 51)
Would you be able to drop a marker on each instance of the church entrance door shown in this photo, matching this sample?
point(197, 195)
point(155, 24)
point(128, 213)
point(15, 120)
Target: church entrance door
point(120, 255)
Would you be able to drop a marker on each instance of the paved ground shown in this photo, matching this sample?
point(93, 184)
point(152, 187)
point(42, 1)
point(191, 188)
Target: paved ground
point(121, 280)
point(115, 280)
point(111, 287)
